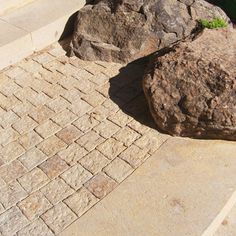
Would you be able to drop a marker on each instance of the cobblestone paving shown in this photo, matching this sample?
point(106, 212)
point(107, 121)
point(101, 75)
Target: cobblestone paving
point(70, 132)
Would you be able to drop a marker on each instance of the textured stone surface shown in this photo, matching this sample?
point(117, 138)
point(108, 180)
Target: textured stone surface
point(141, 27)
point(76, 176)
point(194, 93)
point(100, 185)
point(59, 217)
point(34, 205)
point(81, 201)
point(56, 191)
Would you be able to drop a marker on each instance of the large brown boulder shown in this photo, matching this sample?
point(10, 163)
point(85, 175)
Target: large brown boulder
point(191, 86)
point(124, 30)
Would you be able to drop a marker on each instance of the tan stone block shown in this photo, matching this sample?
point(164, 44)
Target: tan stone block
point(86, 123)
point(12, 171)
point(27, 92)
point(76, 176)
point(8, 87)
point(138, 127)
point(134, 155)
point(8, 103)
point(100, 185)
point(111, 106)
point(85, 85)
point(57, 51)
point(81, 201)
point(43, 58)
point(47, 129)
point(30, 66)
point(151, 140)
point(127, 136)
point(72, 154)
point(42, 114)
point(118, 170)
point(59, 217)
point(36, 228)
point(14, 72)
point(80, 107)
point(95, 161)
point(106, 129)
point(64, 118)
point(69, 134)
point(24, 125)
point(59, 104)
point(53, 166)
point(32, 158)
point(34, 205)
point(120, 118)
point(94, 98)
point(30, 140)
point(51, 146)
point(23, 108)
point(100, 113)
point(11, 151)
point(90, 140)
point(95, 69)
point(8, 118)
point(13, 193)
point(33, 180)
point(111, 148)
point(57, 190)
point(11, 221)
point(72, 94)
point(53, 90)
point(7, 136)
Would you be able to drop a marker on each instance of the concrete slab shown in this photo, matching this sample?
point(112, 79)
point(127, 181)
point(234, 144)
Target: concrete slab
point(45, 22)
point(15, 44)
point(228, 225)
point(178, 191)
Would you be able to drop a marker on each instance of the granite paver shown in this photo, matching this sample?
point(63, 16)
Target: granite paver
point(67, 139)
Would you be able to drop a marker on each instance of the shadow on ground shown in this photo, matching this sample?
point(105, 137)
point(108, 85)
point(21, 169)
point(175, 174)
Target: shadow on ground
point(126, 91)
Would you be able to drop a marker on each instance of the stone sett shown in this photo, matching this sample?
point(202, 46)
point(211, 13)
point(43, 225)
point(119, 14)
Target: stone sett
point(42, 114)
point(11, 221)
point(59, 217)
point(100, 185)
point(12, 171)
point(57, 190)
point(69, 134)
point(36, 228)
point(33, 180)
point(7, 136)
point(34, 205)
point(72, 154)
point(127, 136)
point(64, 118)
point(24, 125)
point(90, 140)
point(30, 140)
point(118, 170)
point(106, 129)
point(81, 201)
point(54, 166)
point(94, 162)
point(59, 104)
point(13, 193)
point(51, 146)
point(47, 129)
point(11, 151)
point(85, 123)
point(32, 158)
point(76, 176)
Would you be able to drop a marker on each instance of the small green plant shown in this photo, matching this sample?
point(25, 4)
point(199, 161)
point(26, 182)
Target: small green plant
point(213, 24)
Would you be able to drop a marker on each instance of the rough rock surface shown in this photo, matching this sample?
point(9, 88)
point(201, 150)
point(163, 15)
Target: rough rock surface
point(124, 30)
point(191, 86)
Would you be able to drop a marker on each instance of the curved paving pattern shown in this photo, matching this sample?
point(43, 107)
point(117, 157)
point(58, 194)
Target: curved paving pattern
point(70, 132)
